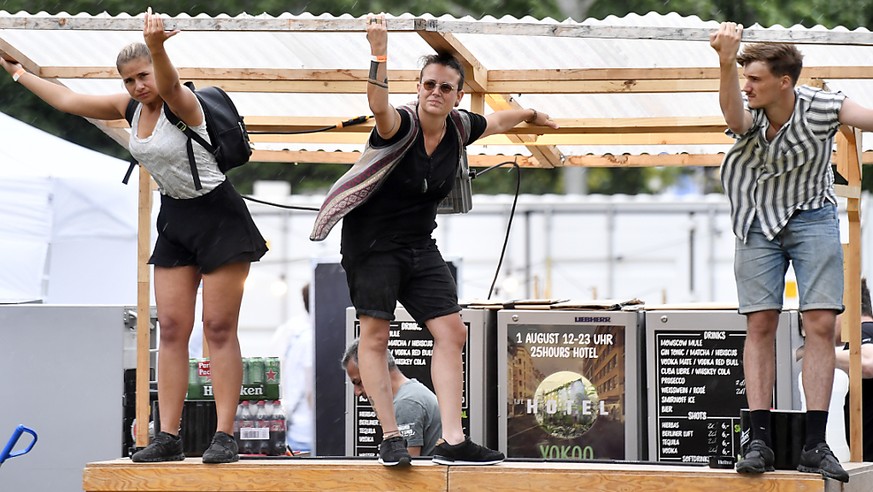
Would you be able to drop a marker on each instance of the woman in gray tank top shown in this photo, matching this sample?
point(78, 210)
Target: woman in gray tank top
point(204, 235)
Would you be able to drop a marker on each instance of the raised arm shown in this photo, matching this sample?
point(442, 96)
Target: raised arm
point(387, 118)
point(726, 42)
point(102, 107)
point(501, 121)
point(182, 102)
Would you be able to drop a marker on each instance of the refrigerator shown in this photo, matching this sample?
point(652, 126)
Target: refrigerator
point(412, 346)
point(570, 384)
point(696, 383)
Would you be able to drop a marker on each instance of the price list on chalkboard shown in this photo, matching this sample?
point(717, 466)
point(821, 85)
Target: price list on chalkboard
point(700, 389)
point(412, 348)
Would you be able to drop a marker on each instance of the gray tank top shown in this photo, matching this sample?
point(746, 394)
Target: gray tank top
point(165, 157)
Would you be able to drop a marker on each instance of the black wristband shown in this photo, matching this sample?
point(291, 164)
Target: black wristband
point(374, 68)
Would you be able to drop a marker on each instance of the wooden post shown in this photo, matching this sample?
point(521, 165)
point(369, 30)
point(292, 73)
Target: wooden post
point(849, 166)
point(143, 308)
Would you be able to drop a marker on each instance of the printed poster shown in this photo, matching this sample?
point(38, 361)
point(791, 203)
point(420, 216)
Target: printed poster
point(566, 391)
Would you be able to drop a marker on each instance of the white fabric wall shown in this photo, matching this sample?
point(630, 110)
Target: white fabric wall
point(67, 223)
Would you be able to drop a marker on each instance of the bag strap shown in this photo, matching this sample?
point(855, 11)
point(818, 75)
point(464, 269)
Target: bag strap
point(129, 111)
point(192, 135)
point(463, 124)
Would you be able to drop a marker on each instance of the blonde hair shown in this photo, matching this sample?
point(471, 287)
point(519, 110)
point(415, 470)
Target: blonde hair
point(132, 52)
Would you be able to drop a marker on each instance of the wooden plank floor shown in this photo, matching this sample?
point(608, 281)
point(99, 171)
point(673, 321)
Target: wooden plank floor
point(319, 474)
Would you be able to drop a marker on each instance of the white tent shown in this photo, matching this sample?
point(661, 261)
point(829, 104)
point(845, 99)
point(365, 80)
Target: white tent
point(67, 223)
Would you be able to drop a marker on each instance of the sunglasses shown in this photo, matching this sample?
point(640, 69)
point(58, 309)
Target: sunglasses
point(445, 87)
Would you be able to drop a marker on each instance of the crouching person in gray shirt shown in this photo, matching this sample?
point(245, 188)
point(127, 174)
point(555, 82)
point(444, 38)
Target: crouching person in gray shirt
point(415, 406)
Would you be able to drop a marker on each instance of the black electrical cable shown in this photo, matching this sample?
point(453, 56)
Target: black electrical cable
point(350, 122)
point(278, 205)
point(342, 124)
point(473, 174)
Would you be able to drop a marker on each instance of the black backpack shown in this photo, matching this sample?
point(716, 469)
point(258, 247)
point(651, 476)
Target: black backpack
point(223, 124)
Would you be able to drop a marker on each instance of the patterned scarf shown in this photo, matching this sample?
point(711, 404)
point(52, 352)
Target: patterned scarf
point(370, 171)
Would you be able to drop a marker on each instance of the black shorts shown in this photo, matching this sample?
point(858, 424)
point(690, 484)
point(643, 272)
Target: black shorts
point(418, 278)
point(208, 231)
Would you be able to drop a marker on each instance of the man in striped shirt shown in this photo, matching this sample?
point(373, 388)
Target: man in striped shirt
point(779, 181)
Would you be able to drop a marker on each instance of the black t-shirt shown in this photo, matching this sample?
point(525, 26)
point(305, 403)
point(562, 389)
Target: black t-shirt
point(402, 212)
point(866, 398)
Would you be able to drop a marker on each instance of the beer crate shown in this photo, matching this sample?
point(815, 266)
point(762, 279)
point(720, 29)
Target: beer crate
point(260, 379)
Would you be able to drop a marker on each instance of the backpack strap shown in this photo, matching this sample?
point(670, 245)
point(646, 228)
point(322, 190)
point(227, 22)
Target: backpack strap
point(130, 110)
point(128, 115)
point(463, 124)
point(192, 135)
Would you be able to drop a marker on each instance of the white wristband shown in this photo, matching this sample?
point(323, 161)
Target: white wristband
point(18, 73)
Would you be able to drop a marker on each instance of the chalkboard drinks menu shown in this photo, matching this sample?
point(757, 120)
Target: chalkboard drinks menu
point(697, 385)
point(412, 348)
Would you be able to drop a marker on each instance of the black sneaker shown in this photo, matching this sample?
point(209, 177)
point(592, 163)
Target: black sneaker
point(758, 458)
point(392, 452)
point(222, 450)
point(821, 459)
point(466, 453)
point(164, 447)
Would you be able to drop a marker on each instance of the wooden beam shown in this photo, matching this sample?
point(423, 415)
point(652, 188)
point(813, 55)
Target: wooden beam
point(246, 22)
point(234, 74)
point(659, 160)
point(116, 132)
point(357, 135)
point(242, 22)
point(659, 33)
point(616, 86)
point(849, 162)
point(540, 81)
point(519, 76)
point(277, 475)
point(658, 73)
point(849, 166)
point(323, 157)
point(548, 155)
point(476, 76)
point(143, 309)
point(477, 102)
point(649, 139)
point(9, 52)
point(478, 160)
point(623, 86)
point(303, 86)
point(365, 475)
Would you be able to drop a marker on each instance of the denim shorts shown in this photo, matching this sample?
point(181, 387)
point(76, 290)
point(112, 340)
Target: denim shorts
point(811, 242)
point(417, 277)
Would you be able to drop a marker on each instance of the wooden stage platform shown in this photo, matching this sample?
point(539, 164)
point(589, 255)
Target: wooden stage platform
point(321, 474)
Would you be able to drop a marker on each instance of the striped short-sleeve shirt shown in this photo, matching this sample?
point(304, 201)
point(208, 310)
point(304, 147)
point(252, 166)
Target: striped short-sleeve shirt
point(773, 179)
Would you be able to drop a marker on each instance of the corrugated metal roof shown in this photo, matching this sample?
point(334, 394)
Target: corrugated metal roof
point(262, 50)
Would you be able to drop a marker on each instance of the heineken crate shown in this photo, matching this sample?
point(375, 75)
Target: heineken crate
point(260, 379)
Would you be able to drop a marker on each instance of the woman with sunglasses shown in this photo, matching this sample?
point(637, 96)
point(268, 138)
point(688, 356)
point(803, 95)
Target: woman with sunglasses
point(387, 248)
